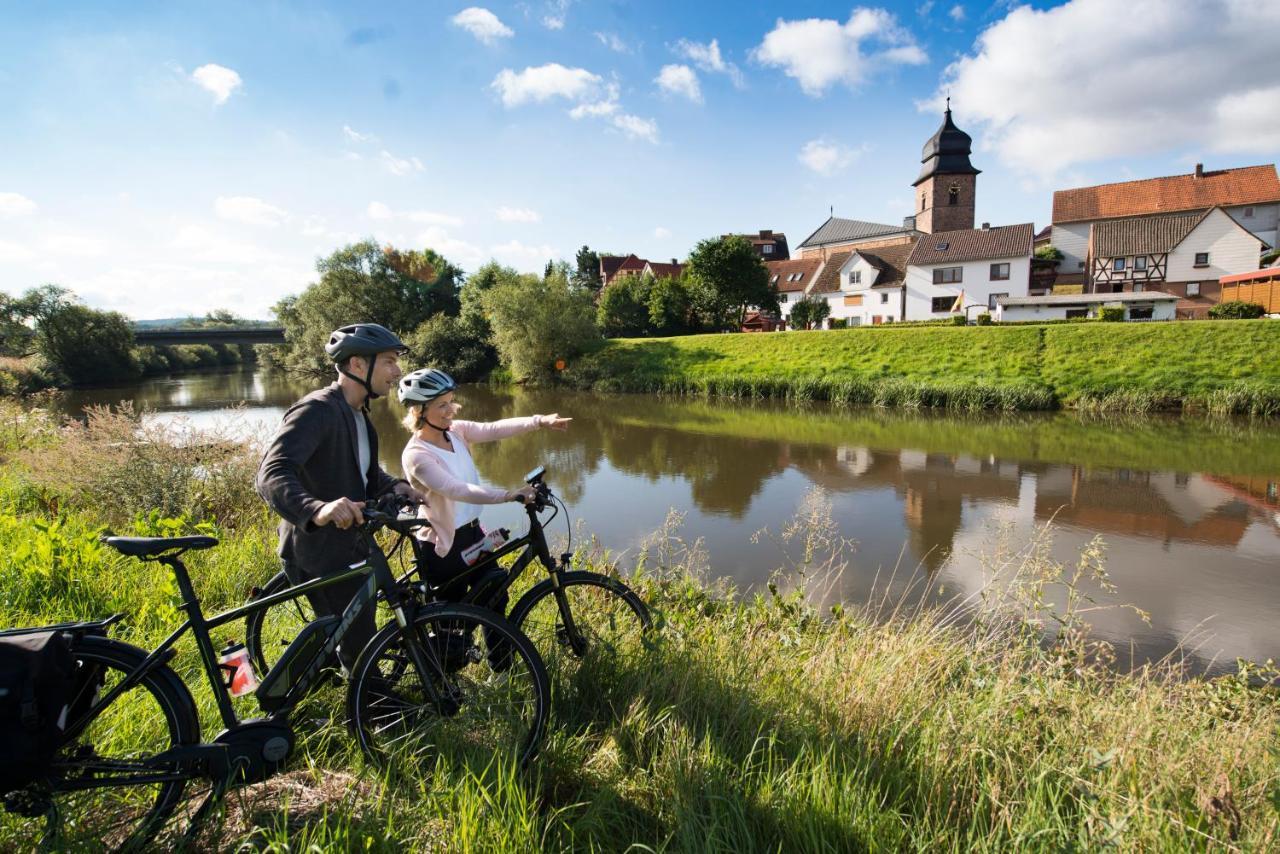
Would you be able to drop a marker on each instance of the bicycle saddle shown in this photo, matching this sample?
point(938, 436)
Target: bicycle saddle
point(149, 546)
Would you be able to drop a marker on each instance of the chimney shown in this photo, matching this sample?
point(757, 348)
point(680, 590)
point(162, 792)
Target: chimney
point(674, 261)
point(909, 223)
point(766, 233)
point(986, 226)
point(1199, 170)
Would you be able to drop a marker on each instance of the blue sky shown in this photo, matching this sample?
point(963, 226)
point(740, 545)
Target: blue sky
point(165, 159)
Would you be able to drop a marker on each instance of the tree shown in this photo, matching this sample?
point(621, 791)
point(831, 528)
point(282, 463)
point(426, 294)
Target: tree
point(80, 343)
point(728, 278)
point(623, 308)
point(539, 322)
point(670, 307)
point(17, 335)
point(808, 312)
point(364, 283)
point(587, 273)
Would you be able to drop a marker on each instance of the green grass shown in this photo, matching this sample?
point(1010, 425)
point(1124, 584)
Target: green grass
point(1224, 367)
point(752, 724)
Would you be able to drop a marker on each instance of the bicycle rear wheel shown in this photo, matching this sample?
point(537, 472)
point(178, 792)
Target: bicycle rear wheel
point(99, 794)
point(270, 631)
point(481, 692)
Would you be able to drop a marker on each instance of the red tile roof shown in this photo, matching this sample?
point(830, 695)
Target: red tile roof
point(829, 279)
point(1224, 187)
point(784, 270)
point(661, 270)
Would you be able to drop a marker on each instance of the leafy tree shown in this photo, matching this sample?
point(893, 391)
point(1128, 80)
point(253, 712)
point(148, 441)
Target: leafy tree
point(364, 283)
point(80, 343)
point(670, 307)
point(17, 335)
point(1049, 252)
point(623, 308)
point(538, 322)
point(456, 345)
point(587, 272)
point(809, 312)
point(727, 279)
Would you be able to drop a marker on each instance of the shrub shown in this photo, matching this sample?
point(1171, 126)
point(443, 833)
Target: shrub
point(1111, 314)
point(1237, 310)
point(838, 323)
point(984, 319)
point(457, 345)
point(959, 320)
point(1049, 253)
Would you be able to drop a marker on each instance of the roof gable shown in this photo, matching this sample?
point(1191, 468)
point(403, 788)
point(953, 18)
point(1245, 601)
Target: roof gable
point(972, 244)
point(1171, 194)
point(1141, 235)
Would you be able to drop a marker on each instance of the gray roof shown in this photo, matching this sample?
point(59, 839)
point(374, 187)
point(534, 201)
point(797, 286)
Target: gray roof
point(1143, 235)
point(973, 244)
point(1086, 299)
point(837, 230)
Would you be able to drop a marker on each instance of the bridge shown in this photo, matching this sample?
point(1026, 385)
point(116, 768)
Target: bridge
point(211, 335)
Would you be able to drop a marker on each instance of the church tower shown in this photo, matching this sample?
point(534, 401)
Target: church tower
point(947, 182)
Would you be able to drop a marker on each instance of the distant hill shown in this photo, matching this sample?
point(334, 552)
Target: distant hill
point(188, 322)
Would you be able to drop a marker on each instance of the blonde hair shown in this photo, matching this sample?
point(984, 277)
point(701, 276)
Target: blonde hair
point(415, 416)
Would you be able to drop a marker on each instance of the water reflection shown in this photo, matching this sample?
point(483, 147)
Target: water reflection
point(1188, 509)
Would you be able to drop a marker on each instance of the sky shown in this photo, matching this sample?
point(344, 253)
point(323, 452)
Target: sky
point(166, 159)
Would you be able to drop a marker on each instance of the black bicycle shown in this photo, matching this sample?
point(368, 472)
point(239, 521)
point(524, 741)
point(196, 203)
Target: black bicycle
point(570, 616)
point(132, 749)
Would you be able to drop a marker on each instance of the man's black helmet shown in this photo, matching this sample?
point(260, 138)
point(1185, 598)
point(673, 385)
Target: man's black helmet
point(362, 339)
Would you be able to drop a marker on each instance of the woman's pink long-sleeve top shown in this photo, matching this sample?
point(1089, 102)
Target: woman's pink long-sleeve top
point(427, 472)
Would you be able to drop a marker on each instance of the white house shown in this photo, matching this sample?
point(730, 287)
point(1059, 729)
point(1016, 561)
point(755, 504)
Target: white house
point(1137, 306)
point(792, 279)
point(979, 264)
point(1249, 195)
point(1183, 254)
point(865, 287)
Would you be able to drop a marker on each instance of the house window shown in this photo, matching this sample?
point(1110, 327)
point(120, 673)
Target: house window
point(999, 272)
point(884, 297)
point(1248, 213)
point(953, 194)
point(941, 304)
point(1141, 312)
point(1079, 265)
point(855, 277)
point(767, 248)
point(1137, 287)
point(1118, 265)
point(1139, 263)
point(1193, 289)
point(948, 275)
point(782, 298)
point(1202, 259)
point(923, 197)
point(774, 280)
point(991, 301)
point(1077, 312)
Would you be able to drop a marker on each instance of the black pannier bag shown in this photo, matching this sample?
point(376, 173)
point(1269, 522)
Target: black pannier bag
point(37, 682)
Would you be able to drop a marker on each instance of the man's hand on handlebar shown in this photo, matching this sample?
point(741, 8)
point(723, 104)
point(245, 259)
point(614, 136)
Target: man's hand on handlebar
point(342, 512)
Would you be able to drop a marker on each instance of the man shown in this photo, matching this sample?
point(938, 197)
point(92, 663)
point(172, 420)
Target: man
point(322, 465)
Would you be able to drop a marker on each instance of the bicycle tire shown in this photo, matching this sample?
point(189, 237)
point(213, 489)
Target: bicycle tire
point(487, 708)
point(269, 631)
point(155, 715)
point(609, 614)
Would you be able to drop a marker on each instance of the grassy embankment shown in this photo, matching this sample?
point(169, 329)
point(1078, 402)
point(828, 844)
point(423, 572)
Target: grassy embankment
point(753, 724)
point(1224, 367)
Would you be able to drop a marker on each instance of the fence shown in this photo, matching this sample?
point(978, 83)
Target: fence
point(1266, 294)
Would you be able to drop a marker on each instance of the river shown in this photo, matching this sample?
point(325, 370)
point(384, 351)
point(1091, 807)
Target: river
point(1187, 510)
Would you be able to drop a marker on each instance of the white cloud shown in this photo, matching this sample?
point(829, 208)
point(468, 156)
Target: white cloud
point(613, 42)
point(399, 165)
point(819, 52)
point(482, 24)
point(544, 82)
point(16, 204)
point(827, 157)
point(636, 128)
point(707, 57)
point(509, 214)
point(662, 233)
point(74, 245)
point(356, 136)
point(606, 106)
point(384, 213)
point(218, 80)
point(679, 80)
point(1055, 88)
point(467, 255)
point(555, 18)
point(522, 256)
point(378, 210)
point(14, 253)
point(248, 210)
point(957, 13)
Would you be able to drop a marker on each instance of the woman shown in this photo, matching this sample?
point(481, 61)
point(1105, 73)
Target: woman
point(437, 461)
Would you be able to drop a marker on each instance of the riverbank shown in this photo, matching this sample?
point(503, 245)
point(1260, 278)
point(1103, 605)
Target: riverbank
point(752, 724)
point(1221, 367)
point(31, 374)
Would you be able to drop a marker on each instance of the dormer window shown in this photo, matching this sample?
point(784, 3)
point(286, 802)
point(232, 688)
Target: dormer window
point(855, 277)
point(774, 280)
point(943, 246)
point(767, 248)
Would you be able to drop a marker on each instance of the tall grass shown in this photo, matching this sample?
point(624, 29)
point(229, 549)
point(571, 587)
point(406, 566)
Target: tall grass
point(752, 723)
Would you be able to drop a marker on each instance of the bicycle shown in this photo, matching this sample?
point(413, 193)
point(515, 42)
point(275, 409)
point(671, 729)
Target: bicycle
point(132, 743)
point(606, 616)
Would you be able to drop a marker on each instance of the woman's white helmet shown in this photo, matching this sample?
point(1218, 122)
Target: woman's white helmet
point(425, 385)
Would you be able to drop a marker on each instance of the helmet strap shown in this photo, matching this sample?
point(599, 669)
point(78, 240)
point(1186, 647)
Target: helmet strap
point(366, 381)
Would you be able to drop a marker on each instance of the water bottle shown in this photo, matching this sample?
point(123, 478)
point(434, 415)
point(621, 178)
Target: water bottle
point(235, 661)
point(490, 543)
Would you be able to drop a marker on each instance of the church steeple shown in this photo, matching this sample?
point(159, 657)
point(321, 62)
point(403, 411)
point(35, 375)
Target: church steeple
point(947, 183)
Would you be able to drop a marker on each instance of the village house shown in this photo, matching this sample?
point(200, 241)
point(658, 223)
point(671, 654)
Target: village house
point(769, 245)
point(1137, 306)
point(838, 235)
point(612, 266)
point(792, 278)
point(1249, 195)
point(1181, 254)
point(865, 287)
point(971, 268)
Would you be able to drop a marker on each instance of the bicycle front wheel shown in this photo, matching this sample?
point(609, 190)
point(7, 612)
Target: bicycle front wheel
point(101, 794)
point(459, 682)
point(600, 621)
